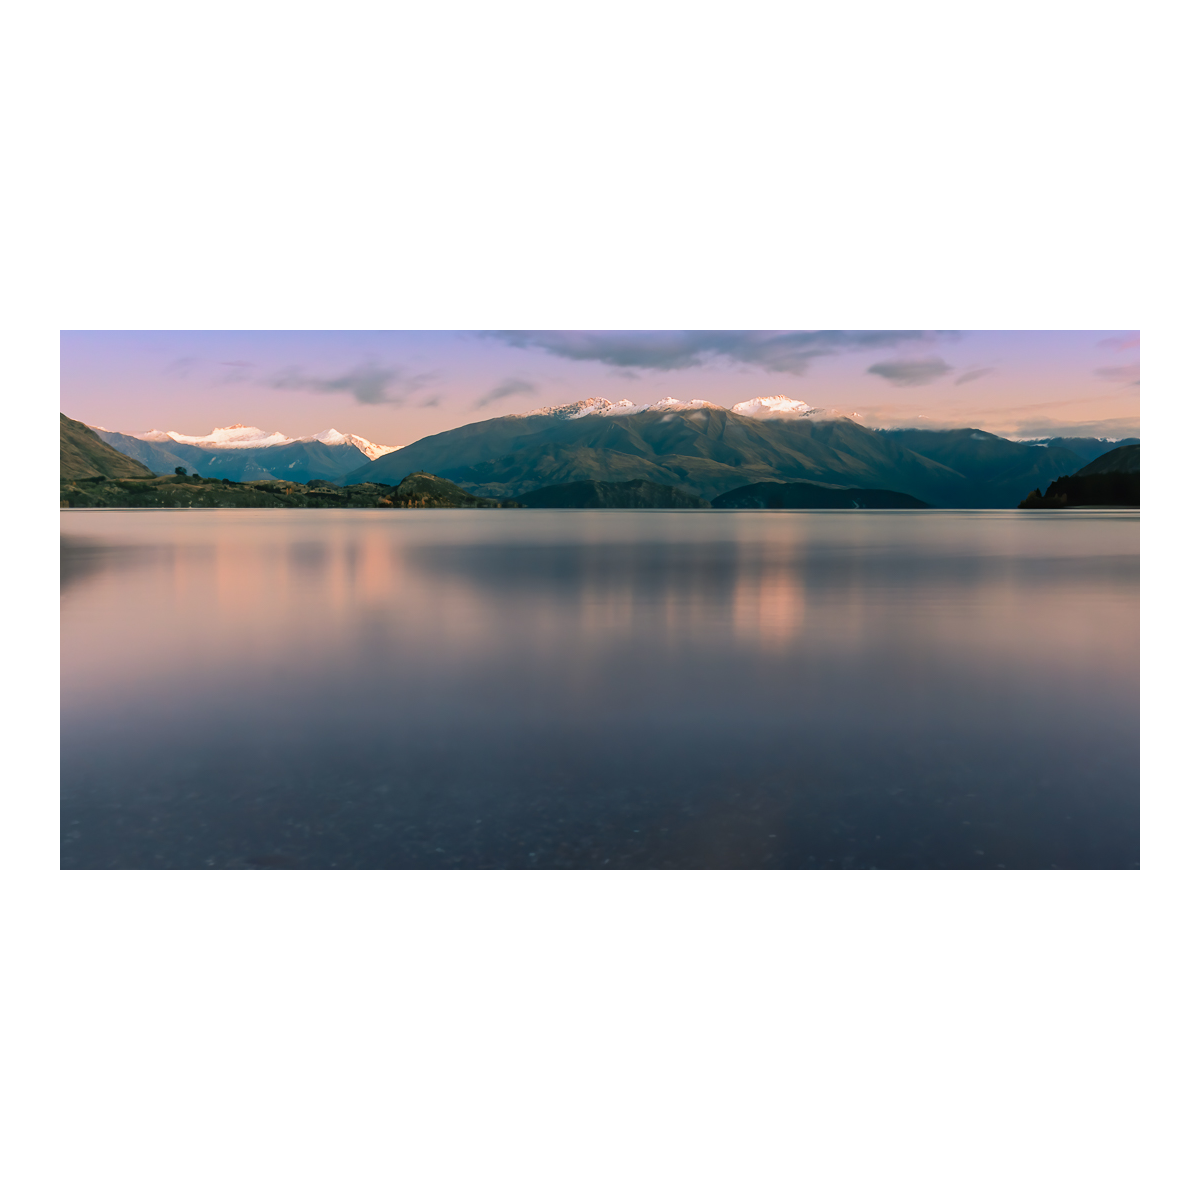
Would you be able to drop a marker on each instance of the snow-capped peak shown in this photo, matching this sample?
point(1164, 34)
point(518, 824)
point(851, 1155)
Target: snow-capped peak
point(227, 437)
point(250, 437)
point(373, 450)
point(593, 406)
point(669, 402)
point(148, 435)
point(765, 407)
point(598, 406)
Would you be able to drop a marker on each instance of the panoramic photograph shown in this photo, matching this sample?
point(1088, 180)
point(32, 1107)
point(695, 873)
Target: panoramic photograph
point(557, 600)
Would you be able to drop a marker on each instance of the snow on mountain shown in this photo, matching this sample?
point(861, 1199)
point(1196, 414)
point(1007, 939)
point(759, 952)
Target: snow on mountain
point(593, 406)
point(148, 435)
point(373, 450)
point(764, 407)
point(597, 406)
point(249, 437)
point(669, 403)
point(228, 437)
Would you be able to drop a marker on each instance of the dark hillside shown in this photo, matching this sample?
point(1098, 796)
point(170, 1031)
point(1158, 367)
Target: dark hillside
point(813, 495)
point(1113, 479)
point(997, 468)
point(708, 451)
point(190, 491)
point(1087, 448)
point(1123, 460)
point(590, 493)
point(82, 455)
point(422, 490)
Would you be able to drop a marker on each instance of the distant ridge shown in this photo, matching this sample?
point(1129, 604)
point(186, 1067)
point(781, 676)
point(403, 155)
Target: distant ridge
point(245, 453)
point(250, 437)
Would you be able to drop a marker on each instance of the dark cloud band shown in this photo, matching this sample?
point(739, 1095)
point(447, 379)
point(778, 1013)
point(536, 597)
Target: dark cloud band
point(1130, 373)
point(971, 376)
point(506, 387)
point(668, 350)
point(368, 383)
point(910, 372)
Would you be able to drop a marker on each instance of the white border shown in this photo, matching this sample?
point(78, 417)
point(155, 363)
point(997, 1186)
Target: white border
point(933, 1035)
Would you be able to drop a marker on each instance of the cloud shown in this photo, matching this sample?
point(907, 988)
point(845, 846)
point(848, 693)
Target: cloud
point(181, 367)
point(910, 372)
point(1129, 341)
point(507, 387)
point(235, 372)
point(667, 350)
point(978, 373)
point(1130, 374)
point(368, 383)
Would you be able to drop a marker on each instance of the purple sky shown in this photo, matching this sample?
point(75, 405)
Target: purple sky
point(396, 387)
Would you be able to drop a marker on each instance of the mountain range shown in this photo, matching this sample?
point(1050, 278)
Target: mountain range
point(702, 448)
point(709, 450)
point(243, 452)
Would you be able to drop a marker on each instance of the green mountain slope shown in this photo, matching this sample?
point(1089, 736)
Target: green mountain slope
point(1125, 460)
point(999, 470)
point(708, 451)
point(422, 490)
point(82, 455)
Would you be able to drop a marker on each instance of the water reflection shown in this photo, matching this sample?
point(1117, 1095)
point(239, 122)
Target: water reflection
point(523, 689)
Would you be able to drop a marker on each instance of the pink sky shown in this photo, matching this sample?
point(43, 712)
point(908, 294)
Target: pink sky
point(396, 387)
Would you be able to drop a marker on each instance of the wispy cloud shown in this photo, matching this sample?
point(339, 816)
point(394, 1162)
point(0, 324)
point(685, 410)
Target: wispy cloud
point(783, 350)
point(181, 367)
point(910, 372)
point(506, 387)
point(234, 372)
point(1128, 341)
point(970, 376)
point(1129, 374)
point(369, 383)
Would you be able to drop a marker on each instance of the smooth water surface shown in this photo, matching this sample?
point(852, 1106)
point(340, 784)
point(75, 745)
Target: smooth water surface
point(431, 689)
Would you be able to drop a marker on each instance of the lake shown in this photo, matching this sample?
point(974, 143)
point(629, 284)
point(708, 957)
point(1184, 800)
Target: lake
point(273, 689)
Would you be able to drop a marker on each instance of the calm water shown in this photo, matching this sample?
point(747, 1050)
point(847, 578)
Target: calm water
point(548, 689)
